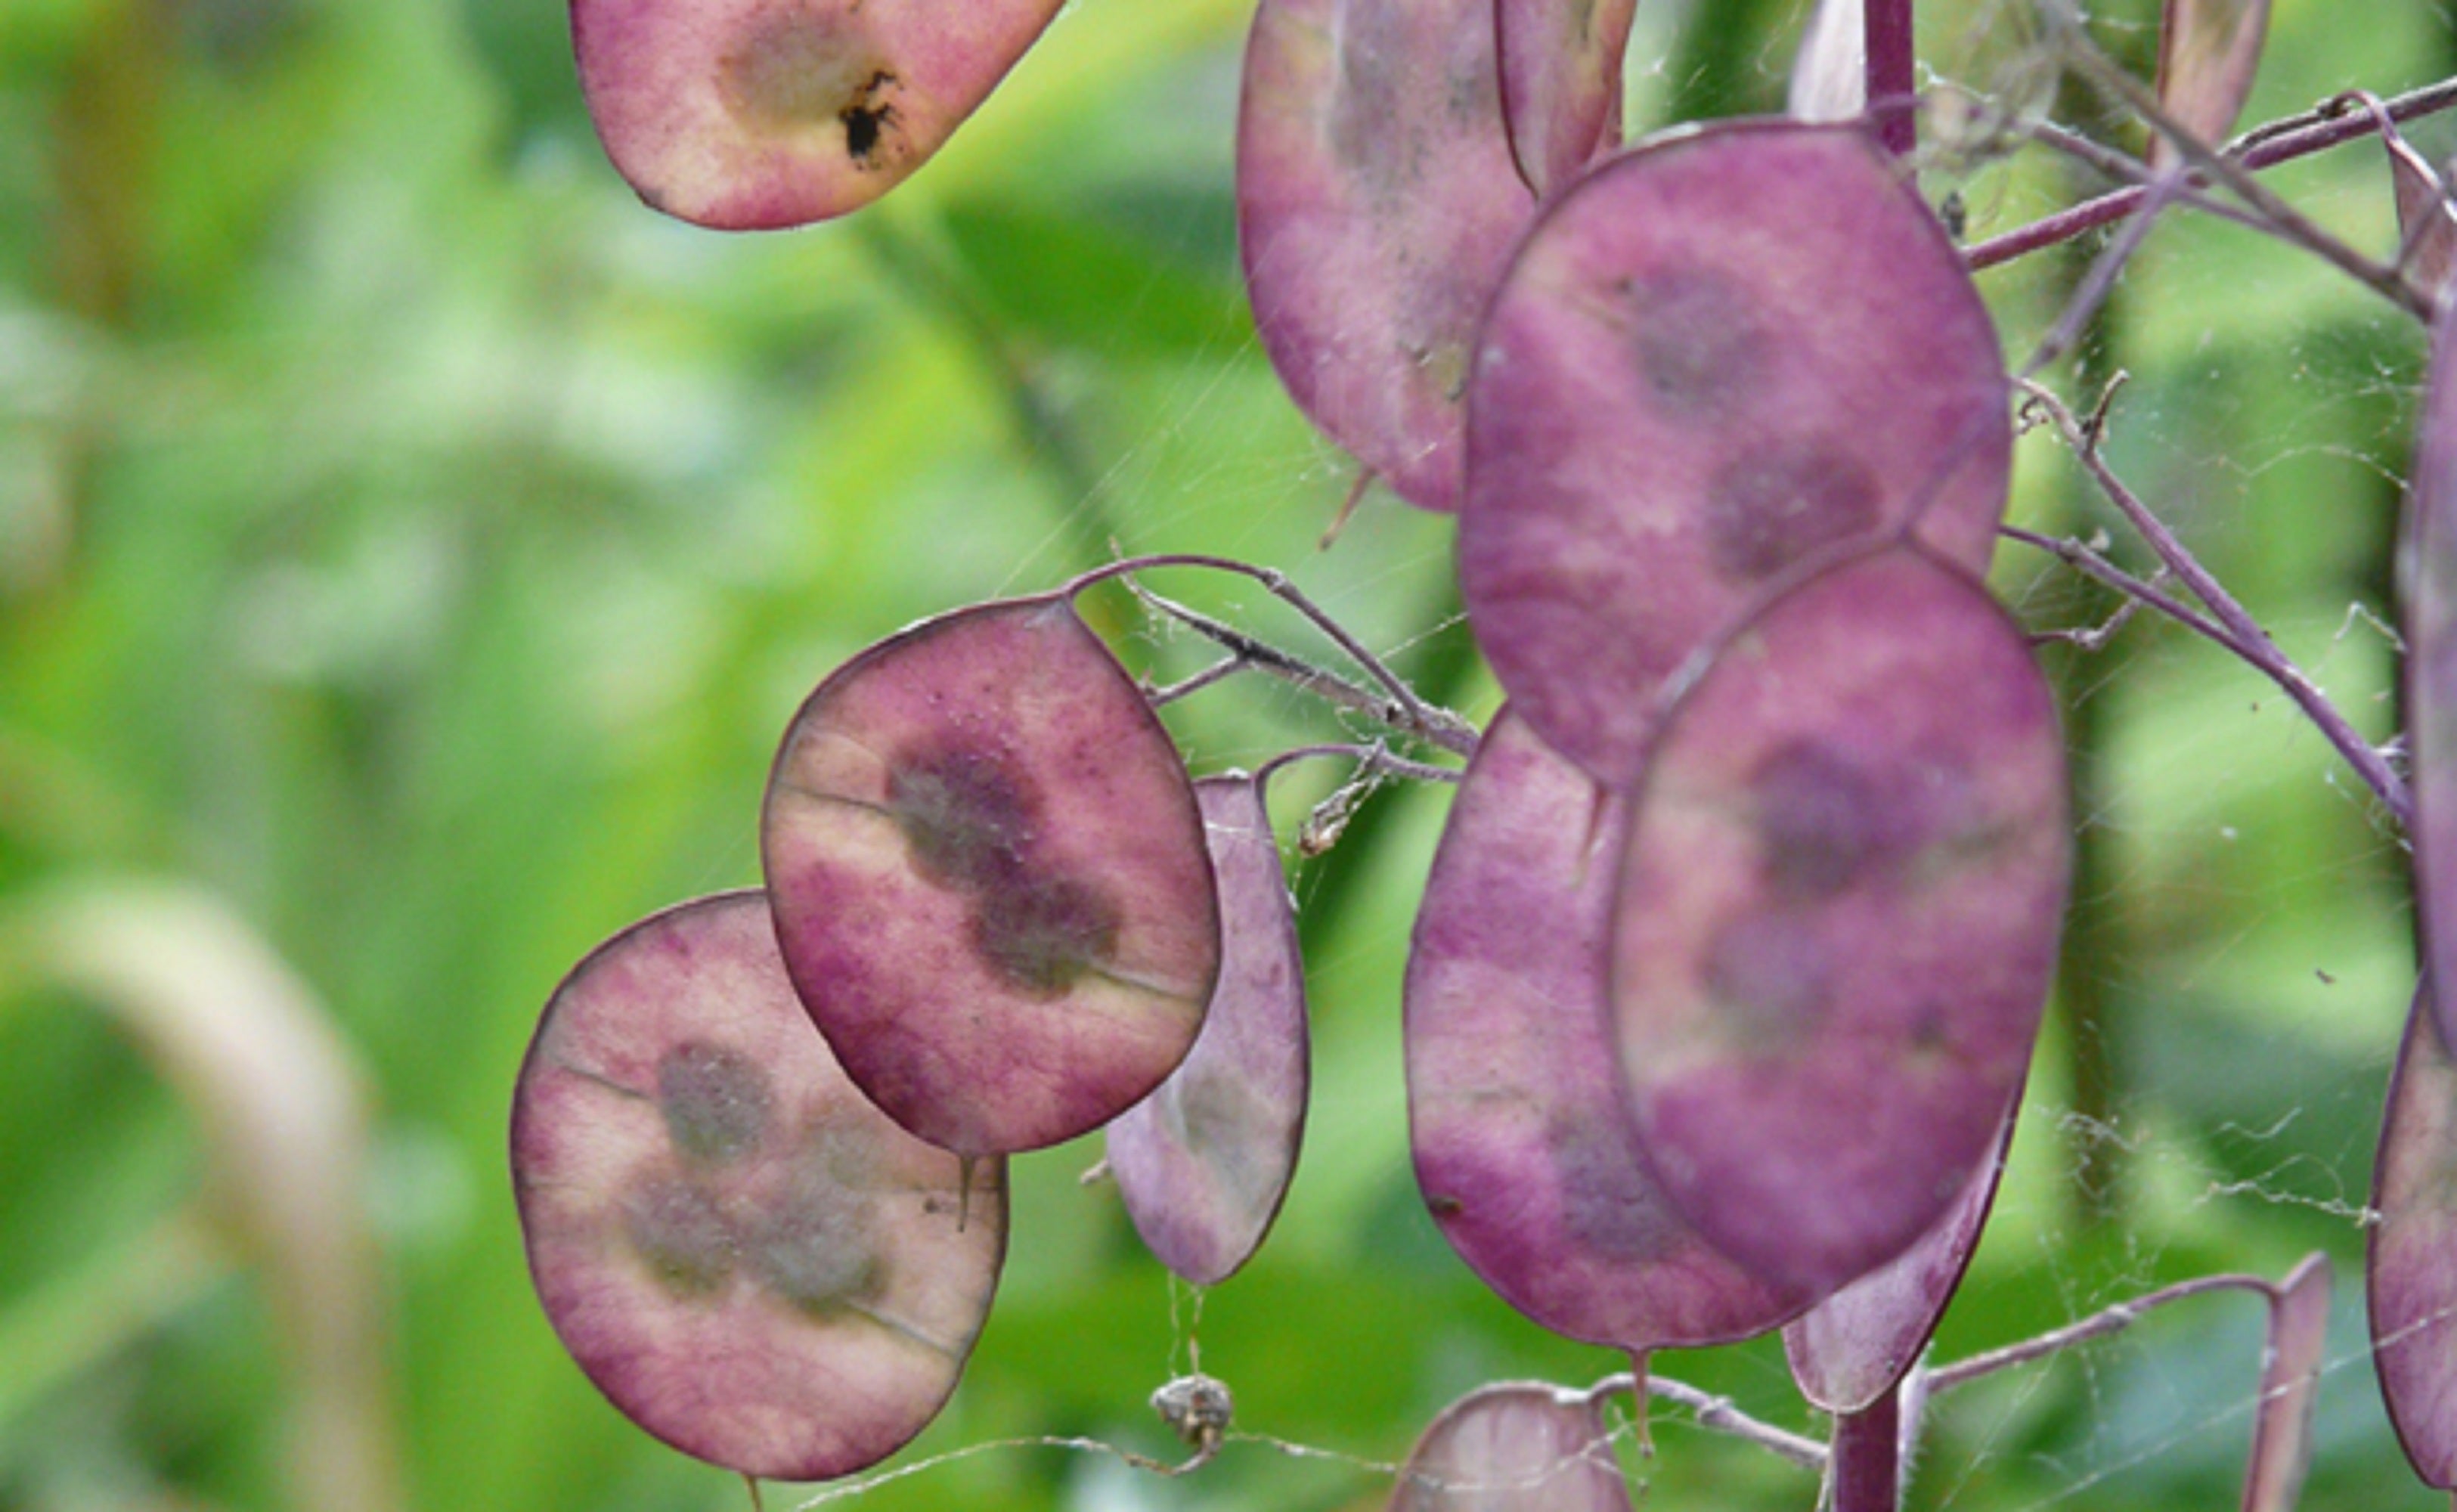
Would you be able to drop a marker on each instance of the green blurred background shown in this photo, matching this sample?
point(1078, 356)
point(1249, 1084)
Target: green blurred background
point(410, 548)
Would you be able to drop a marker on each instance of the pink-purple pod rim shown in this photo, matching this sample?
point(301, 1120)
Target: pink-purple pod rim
point(1849, 1350)
point(2208, 53)
point(1376, 203)
point(2290, 1384)
point(1202, 1163)
point(752, 115)
point(1560, 83)
point(1514, 1446)
point(1525, 1152)
point(989, 878)
point(1837, 916)
point(749, 1260)
point(2427, 590)
point(2410, 1286)
point(1717, 356)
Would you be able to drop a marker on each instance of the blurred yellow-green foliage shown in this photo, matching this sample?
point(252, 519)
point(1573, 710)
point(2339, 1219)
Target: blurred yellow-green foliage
point(410, 547)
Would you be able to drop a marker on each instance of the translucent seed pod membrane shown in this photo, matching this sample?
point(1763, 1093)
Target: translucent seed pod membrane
point(1560, 82)
point(1838, 916)
point(1202, 1163)
point(1849, 1350)
point(1377, 201)
point(990, 880)
point(747, 114)
point(749, 1260)
point(1525, 1151)
point(1713, 357)
point(1516, 1446)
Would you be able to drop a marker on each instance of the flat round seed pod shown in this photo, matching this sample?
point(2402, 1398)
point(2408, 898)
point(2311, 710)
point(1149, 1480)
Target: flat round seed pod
point(1376, 203)
point(2427, 587)
point(747, 114)
point(1851, 1349)
point(1560, 82)
point(1714, 356)
point(1202, 1163)
point(2411, 1287)
point(989, 878)
point(1838, 917)
point(2208, 51)
point(1514, 1446)
point(743, 1255)
point(1524, 1147)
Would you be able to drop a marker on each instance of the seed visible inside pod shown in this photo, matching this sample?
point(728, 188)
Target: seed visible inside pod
point(1717, 358)
point(747, 1258)
point(1837, 917)
point(989, 878)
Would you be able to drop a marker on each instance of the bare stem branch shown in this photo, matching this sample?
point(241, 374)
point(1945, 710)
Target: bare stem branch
point(2244, 635)
point(2098, 1325)
point(1717, 1413)
point(1402, 709)
point(2331, 124)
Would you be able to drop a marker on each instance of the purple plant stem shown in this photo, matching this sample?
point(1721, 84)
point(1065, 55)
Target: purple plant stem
point(2279, 141)
point(1403, 709)
point(1892, 78)
point(2244, 635)
point(2098, 1325)
point(1867, 1473)
point(1717, 1413)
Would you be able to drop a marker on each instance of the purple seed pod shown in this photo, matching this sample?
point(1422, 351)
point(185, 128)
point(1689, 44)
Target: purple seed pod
point(2427, 589)
point(1524, 1147)
point(749, 114)
point(2290, 1379)
point(989, 878)
point(1560, 83)
point(2208, 51)
point(1714, 356)
point(1851, 1349)
point(2426, 228)
point(1202, 1163)
point(1514, 1446)
point(1838, 915)
point(741, 1252)
point(2411, 1287)
point(1376, 203)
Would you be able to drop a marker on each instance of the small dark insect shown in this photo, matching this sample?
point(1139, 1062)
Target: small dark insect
point(1955, 215)
point(868, 117)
